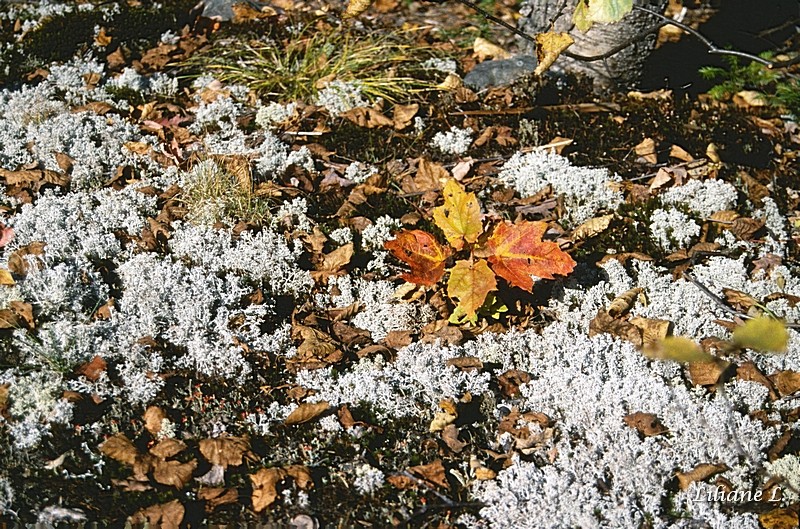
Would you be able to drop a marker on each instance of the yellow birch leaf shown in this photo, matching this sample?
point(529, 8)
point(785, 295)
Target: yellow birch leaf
point(762, 334)
point(679, 349)
point(460, 216)
point(548, 47)
point(470, 283)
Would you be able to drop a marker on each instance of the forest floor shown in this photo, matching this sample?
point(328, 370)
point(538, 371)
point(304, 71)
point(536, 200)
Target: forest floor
point(275, 269)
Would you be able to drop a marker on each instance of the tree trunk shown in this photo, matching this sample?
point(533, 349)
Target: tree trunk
point(619, 72)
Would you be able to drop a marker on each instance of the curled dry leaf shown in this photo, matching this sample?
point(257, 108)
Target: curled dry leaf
point(624, 302)
point(707, 373)
point(225, 451)
point(93, 369)
point(592, 227)
point(265, 487)
point(786, 382)
point(699, 473)
point(548, 47)
point(119, 448)
point(356, 7)
point(653, 331)
point(450, 437)
point(367, 117)
point(307, 412)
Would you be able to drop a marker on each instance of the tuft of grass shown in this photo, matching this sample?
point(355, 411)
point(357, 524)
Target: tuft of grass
point(385, 64)
point(220, 189)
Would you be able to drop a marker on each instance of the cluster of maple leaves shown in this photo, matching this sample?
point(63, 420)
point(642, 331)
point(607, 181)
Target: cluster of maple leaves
point(515, 252)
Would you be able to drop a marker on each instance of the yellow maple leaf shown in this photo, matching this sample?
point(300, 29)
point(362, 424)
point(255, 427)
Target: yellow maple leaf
point(460, 216)
point(470, 283)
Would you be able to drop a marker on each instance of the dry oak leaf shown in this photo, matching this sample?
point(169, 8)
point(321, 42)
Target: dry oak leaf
point(653, 331)
point(119, 448)
point(548, 47)
point(367, 117)
point(173, 473)
point(225, 451)
point(707, 373)
point(6, 279)
point(470, 283)
point(164, 516)
point(420, 251)
point(699, 473)
point(517, 252)
point(402, 115)
point(307, 412)
point(432, 472)
point(450, 437)
point(460, 215)
point(265, 487)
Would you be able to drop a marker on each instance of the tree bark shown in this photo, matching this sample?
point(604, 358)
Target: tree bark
point(622, 70)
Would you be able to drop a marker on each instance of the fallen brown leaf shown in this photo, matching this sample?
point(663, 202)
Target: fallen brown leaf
point(301, 475)
point(307, 412)
point(167, 448)
point(707, 373)
point(450, 437)
point(646, 424)
point(699, 473)
point(367, 117)
point(624, 302)
point(153, 416)
point(647, 151)
point(119, 448)
point(173, 473)
point(592, 227)
point(786, 382)
point(265, 487)
point(216, 496)
point(432, 472)
point(164, 516)
point(779, 519)
point(225, 451)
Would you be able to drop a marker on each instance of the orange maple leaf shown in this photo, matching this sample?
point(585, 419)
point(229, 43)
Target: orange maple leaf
point(420, 251)
point(517, 252)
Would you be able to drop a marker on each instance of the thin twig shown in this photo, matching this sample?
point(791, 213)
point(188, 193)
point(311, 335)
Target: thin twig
point(715, 298)
point(713, 49)
point(445, 499)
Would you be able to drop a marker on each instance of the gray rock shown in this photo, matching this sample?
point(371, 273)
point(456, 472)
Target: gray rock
point(217, 9)
point(500, 72)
